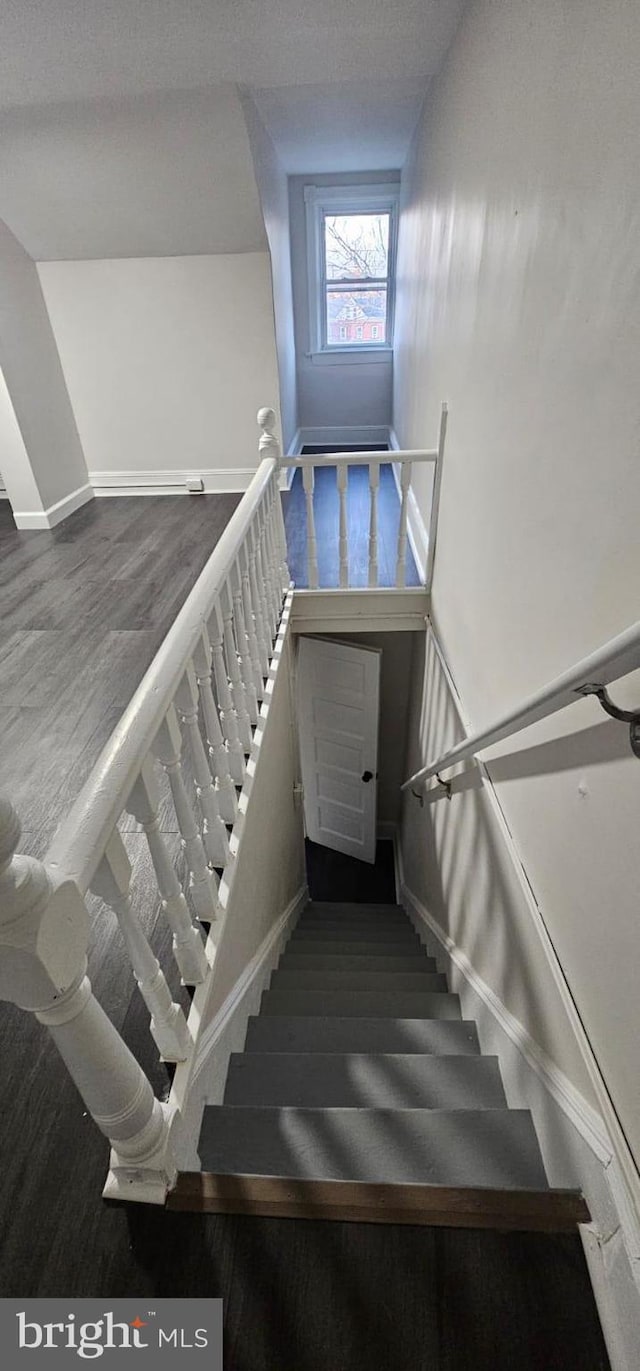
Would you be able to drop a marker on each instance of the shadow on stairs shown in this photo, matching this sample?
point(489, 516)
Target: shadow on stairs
point(362, 1098)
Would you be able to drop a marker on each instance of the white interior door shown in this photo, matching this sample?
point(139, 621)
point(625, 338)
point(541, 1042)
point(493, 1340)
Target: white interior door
point(338, 700)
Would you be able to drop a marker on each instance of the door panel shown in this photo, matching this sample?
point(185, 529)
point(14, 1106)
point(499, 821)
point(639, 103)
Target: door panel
point(338, 703)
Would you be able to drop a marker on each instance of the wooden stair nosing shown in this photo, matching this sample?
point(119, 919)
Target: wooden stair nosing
point(551, 1211)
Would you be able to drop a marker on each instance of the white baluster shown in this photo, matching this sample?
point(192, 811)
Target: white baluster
point(233, 669)
point(250, 619)
point(374, 484)
point(218, 749)
point(280, 541)
point(342, 476)
point(268, 569)
point(401, 564)
point(112, 883)
point(308, 481)
point(257, 596)
point(228, 716)
point(214, 833)
point(44, 931)
point(188, 948)
point(167, 747)
point(269, 446)
point(245, 664)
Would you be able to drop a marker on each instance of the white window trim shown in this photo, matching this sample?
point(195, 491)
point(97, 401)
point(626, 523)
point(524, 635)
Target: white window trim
point(347, 200)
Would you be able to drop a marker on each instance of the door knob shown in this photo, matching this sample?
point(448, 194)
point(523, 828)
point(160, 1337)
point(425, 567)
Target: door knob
point(368, 776)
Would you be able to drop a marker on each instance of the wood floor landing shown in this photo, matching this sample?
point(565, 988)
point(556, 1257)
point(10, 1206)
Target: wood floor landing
point(326, 510)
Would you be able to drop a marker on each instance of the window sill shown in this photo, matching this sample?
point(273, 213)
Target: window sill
point(338, 356)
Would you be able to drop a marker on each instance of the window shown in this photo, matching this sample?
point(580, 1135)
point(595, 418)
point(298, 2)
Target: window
point(351, 240)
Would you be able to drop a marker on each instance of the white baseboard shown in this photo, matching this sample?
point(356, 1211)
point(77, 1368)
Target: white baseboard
point(216, 481)
point(416, 529)
point(573, 1137)
point(49, 518)
point(362, 435)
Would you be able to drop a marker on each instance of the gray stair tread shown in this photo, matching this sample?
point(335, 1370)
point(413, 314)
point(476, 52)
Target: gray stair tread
point(323, 961)
point(322, 979)
point(398, 1004)
point(338, 947)
point(295, 1033)
point(409, 1081)
point(491, 1147)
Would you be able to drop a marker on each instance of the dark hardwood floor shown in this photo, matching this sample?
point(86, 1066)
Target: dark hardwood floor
point(83, 609)
point(326, 511)
point(333, 876)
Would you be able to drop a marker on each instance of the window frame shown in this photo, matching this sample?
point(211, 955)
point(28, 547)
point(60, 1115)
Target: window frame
point(319, 201)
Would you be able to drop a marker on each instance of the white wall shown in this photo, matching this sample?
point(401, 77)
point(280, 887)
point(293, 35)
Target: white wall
point(147, 176)
point(519, 286)
point(38, 396)
point(167, 361)
point(271, 179)
point(332, 392)
point(21, 489)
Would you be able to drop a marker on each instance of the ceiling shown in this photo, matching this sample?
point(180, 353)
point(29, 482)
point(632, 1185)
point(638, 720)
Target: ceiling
point(120, 120)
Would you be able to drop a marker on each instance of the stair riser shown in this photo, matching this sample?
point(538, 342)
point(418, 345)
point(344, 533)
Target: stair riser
point(402, 1004)
point(339, 947)
point(341, 1035)
point(315, 1081)
point(321, 980)
point(323, 907)
point(353, 933)
point(319, 961)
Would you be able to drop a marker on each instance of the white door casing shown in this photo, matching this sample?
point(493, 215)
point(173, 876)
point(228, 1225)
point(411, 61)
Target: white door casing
point(338, 689)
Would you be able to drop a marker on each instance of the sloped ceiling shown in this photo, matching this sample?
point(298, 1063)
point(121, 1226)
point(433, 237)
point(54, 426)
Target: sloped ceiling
point(121, 131)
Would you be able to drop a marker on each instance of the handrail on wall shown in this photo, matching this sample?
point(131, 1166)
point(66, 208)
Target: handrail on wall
point(614, 659)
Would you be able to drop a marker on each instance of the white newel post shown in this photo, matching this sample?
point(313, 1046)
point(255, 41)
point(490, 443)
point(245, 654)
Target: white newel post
point(44, 932)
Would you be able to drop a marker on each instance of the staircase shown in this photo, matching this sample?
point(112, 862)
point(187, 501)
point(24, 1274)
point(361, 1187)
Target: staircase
point(362, 1093)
